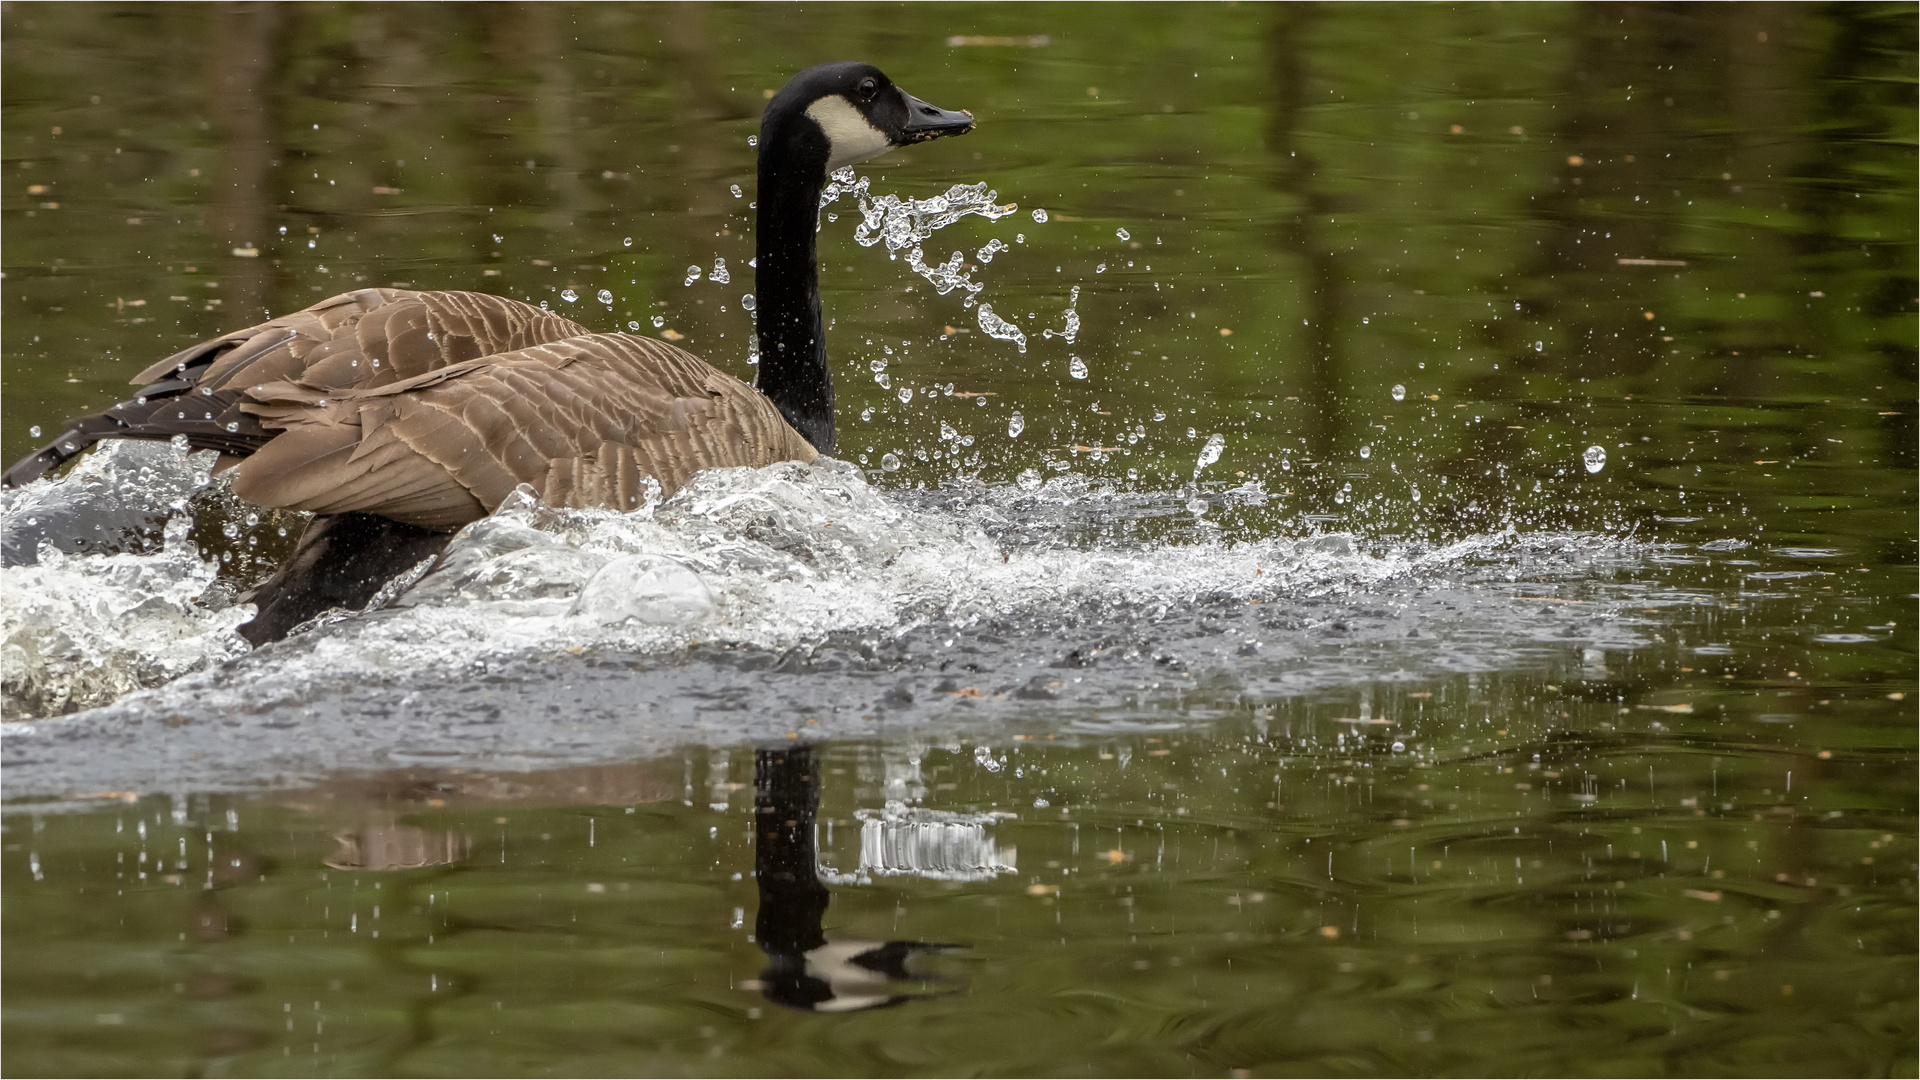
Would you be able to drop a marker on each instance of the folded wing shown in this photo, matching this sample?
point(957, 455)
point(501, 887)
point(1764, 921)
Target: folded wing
point(584, 420)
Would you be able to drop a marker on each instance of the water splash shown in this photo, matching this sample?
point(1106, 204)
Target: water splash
point(905, 224)
point(996, 327)
point(1210, 453)
point(1072, 328)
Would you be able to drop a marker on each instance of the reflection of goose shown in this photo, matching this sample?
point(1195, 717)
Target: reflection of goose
point(804, 969)
point(398, 416)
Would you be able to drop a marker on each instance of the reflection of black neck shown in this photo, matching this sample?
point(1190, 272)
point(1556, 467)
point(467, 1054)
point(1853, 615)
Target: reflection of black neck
point(793, 901)
point(792, 338)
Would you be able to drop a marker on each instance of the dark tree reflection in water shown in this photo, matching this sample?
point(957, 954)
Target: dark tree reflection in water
point(1401, 733)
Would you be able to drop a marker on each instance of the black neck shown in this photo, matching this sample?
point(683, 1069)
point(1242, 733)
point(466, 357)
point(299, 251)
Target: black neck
point(793, 341)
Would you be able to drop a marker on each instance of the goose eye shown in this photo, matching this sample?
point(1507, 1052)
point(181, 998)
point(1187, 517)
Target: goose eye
point(868, 87)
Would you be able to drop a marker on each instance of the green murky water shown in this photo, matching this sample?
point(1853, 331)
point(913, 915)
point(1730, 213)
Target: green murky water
point(1625, 785)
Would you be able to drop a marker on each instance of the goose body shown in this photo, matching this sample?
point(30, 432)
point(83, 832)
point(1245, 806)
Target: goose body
point(397, 416)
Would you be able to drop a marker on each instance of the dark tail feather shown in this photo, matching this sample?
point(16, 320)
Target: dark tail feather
point(340, 562)
point(210, 421)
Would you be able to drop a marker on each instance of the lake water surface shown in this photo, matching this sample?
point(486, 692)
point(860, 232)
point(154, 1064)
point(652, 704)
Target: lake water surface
point(1390, 551)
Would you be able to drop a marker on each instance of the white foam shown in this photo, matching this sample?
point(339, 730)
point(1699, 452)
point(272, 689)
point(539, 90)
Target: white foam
point(770, 557)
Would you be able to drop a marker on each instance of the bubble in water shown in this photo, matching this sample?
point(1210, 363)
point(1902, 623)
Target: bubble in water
point(1595, 457)
point(693, 275)
point(996, 327)
point(1040, 217)
point(1210, 453)
point(1077, 369)
point(569, 295)
point(659, 321)
point(1366, 452)
point(719, 275)
point(605, 297)
point(1029, 479)
point(890, 462)
point(1399, 747)
point(1399, 392)
point(1015, 425)
point(735, 188)
point(1123, 234)
point(905, 394)
point(645, 588)
point(34, 431)
point(747, 301)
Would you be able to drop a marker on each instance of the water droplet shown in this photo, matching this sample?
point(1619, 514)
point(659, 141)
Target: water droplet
point(905, 394)
point(1366, 452)
point(748, 302)
point(947, 432)
point(659, 321)
point(1416, 494)
point(34, 431)
point(693, 275)
point(737, 193)
point(1399, 747)
point(1595, 457)
point(1539, 346)
point(1399, 392)
point(753, 140)
point(1159, 414)
point(890, 462)
point(1040, 217)
point(233, 425)
point(497, 238)
point(719, 274)
point(633, 324)
point(1015, 425)
point(569, 295)
point(606, 297)
point(1210, 453)
point(1197, 507)
point(1077, 369)
point(628, 242)
point(1101, 269)
point(1123, 234)
point(996, 327)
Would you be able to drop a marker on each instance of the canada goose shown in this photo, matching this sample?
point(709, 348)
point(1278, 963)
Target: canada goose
point(396, 416)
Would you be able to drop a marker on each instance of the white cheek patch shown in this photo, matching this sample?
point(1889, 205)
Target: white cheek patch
point(851, 137)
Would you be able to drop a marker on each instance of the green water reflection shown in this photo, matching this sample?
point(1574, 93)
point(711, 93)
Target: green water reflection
point(1410, 262)
point(1536, 881)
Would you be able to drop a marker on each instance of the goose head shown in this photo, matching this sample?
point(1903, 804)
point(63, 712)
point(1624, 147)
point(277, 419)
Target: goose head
point(834, 115)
